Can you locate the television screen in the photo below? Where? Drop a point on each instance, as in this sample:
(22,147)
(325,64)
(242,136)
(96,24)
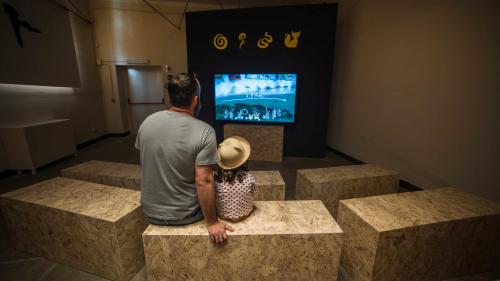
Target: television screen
(256,98)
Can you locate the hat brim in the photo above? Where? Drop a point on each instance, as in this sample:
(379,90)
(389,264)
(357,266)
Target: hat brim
(244,158)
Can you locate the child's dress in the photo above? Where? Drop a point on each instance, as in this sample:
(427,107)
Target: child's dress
(234,200)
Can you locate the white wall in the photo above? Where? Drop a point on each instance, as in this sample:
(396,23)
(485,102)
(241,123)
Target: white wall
(40,51)
(416,88)
(20,103)
(130,30)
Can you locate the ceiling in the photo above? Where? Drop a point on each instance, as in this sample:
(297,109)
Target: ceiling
(252,3)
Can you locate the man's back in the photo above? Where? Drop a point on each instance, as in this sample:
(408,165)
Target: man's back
(171,144)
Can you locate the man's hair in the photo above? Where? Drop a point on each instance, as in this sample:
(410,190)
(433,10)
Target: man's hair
(181,89)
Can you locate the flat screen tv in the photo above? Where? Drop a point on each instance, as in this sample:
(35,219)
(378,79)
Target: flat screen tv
(255,98)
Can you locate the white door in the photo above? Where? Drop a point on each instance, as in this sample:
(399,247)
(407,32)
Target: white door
(144,91)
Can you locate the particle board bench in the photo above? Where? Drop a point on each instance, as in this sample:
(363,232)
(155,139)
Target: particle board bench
(270,184)
(266,140)
(281,240)
(109,173)
(426,235)
(92,227)
(333,184)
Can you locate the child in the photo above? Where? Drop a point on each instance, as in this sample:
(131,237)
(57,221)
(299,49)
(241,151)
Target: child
(234,185)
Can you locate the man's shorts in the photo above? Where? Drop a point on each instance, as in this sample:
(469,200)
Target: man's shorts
(194,217)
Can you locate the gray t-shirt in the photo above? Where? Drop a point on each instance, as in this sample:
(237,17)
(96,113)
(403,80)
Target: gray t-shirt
(171,144)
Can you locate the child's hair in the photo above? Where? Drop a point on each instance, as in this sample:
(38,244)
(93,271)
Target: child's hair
(231,175)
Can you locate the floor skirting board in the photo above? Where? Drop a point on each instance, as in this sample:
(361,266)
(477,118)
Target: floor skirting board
(402,183)
(113,135)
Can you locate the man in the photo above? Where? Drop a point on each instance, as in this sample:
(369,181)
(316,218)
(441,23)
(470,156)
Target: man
(177,154)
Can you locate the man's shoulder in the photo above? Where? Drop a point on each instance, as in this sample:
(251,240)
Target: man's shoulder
(203,126)
(176,119)
(154,116)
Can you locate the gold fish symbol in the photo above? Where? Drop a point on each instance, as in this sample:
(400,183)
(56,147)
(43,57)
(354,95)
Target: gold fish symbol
(264,42)
(220,42)
(242,38)
(291,40)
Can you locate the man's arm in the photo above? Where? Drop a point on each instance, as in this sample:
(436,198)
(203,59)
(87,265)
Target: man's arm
(206,196)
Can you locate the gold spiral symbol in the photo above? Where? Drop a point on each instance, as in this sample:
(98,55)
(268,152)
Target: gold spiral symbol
(264,42)
(220,42)
(242,38)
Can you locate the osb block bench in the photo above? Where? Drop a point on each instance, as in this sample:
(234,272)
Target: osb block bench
(93,227)
(270,184)
(281,240)
(109,173)
(266,140)
(333,184)
(426,235)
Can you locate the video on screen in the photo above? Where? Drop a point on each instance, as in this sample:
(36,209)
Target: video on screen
(256,98)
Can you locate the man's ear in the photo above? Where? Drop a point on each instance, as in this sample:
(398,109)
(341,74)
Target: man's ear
(195,101)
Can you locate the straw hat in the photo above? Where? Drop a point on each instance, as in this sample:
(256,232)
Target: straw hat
(233,152)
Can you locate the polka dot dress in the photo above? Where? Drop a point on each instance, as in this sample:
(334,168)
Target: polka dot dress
(234,200)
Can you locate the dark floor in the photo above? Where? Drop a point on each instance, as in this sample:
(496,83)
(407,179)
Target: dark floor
(121,150)
(18,266)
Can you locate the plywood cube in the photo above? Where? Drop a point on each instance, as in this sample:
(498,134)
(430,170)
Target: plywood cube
(109,173)
(93,227)
(266,140)
(281,240)
(425,235)
(333,184)
(270,185)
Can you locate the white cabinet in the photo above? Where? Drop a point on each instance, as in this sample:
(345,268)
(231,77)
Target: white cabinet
(32,145)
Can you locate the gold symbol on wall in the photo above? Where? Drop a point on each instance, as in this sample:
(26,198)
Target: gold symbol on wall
(220,42)
(242,38)
(291,40)
(264,42)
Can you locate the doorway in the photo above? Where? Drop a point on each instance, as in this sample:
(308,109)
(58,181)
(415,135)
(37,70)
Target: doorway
(144,92)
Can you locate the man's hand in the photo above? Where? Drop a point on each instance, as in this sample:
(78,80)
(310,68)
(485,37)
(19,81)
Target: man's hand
(206,196)
(217,232)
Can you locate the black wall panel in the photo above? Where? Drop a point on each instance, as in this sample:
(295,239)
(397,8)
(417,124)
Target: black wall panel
(311,59)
